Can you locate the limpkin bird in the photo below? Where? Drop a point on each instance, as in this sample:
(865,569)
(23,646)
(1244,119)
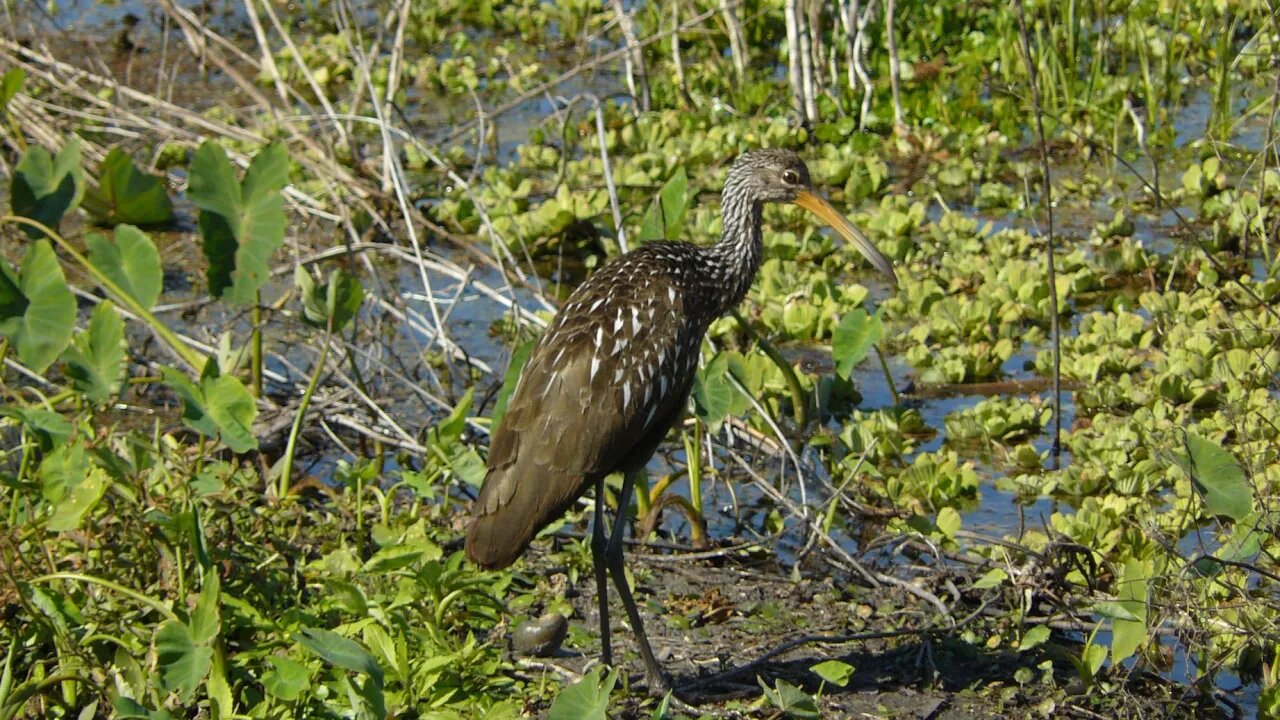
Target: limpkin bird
(613,373)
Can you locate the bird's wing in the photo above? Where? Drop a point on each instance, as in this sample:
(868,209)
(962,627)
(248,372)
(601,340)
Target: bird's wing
(614,365)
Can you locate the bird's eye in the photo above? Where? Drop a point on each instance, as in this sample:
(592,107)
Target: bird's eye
(791,177)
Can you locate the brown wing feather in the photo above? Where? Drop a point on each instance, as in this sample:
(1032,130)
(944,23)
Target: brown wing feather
(614,366)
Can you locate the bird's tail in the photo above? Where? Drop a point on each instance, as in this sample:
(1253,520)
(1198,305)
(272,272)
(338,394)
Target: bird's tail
(494,541)
(511,509)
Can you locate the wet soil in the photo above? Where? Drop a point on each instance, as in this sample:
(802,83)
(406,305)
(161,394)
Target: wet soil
(723,629)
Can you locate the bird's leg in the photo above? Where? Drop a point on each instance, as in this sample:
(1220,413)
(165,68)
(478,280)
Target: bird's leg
(598,548)
(658,682)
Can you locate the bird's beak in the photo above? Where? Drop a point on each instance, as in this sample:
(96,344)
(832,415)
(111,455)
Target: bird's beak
(814,203)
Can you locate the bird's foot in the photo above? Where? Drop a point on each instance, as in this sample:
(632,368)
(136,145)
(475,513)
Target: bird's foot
(657,685)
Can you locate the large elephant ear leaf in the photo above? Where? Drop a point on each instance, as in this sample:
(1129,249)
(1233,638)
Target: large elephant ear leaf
(37,309)
(96,357)
(125,194)
(242,223)
(45,188)
(131,261)
(1217,477)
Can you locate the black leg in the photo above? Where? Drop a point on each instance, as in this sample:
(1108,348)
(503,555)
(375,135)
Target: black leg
(658,682)
(598,549)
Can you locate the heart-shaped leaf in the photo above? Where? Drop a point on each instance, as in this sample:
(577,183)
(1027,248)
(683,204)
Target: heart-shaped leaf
(857,332)
(130,260)
(219,406)
(587,699)
(242,223)
(80,501)
(125,194)
(183,663)
(665,217)
(37,309)
(96,357)
(46,188)
(1217,477)
(287,679)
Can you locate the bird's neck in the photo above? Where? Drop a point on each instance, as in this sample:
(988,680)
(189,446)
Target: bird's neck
(736,256)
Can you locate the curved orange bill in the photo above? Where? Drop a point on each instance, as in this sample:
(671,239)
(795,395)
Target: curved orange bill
(815,204)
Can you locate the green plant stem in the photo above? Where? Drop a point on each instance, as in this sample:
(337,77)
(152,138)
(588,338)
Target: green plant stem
(286,472)
(127,592)
(188,355)
(1046,201)
(799,398)
(256,346)
(888,376)
(693,456)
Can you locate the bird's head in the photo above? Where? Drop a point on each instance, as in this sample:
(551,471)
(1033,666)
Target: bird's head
(775,175)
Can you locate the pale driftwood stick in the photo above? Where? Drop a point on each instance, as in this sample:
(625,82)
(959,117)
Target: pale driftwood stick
(737,39)
(859,43)
(806,68)
(390,157)
(633,61)
(578,70)
(302,66)
(891,40)
(268,62)
(795,75)
(676,62)
(813,24)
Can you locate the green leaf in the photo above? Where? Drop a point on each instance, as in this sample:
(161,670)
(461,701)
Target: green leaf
(1217,477)
(131,261)
(233,408)
(206,618)
(1092,658)
(242,224)
(1131,589)
(665,217)
(713,391)
(833,671)
(46,188)
(1033,637)
(80,501)
(125,194)
(194,413)
(50,428)
(129,709)
(62,467)
(791,700)
(587,699)
(10,84)
(220,406)
(339,651)
(992,578)
(449,430)
(1112,610)
(332,305)
(183,663)
(96,357)
(509,381)
(853,338)
(948,521)
(287,679)
(392,558)
(37,309)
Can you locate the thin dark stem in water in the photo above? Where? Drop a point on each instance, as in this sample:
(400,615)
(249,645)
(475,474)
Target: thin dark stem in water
(1046,200)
